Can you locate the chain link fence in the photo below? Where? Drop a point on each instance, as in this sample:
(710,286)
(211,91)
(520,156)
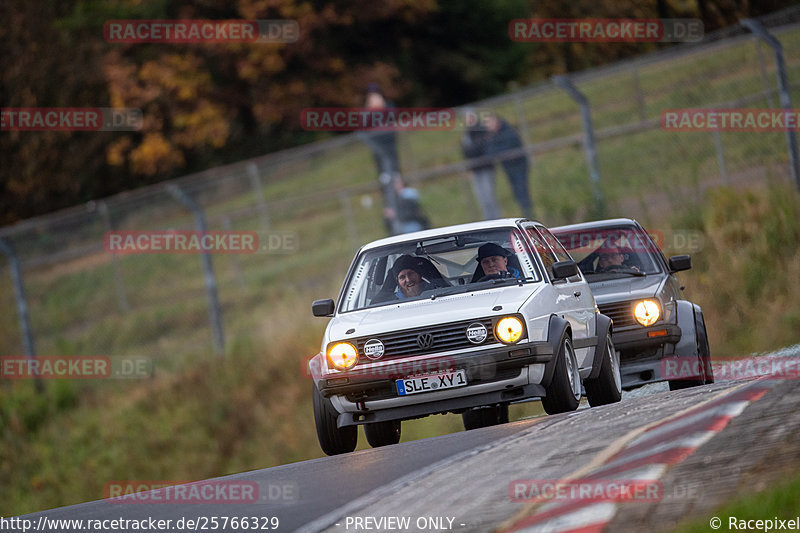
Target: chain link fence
(314,205)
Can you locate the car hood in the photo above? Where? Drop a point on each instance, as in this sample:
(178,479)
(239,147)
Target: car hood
(625,288)
(420,313)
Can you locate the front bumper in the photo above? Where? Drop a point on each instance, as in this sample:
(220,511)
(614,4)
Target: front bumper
(494,375)
(638,338)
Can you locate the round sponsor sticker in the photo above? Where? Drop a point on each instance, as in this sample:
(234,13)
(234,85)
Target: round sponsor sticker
(373,349)
(476,333)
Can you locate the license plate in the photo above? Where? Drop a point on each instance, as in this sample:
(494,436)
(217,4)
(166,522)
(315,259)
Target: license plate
(448,380)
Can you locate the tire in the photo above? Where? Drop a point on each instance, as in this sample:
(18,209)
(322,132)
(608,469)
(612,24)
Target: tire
(607,386)
(703,354)
(332,439)
(382,433)
(564,392)
(482,417)
(704,350)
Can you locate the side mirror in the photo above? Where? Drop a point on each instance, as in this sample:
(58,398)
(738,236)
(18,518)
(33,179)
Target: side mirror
(564,269)
(680,262)
(323,307)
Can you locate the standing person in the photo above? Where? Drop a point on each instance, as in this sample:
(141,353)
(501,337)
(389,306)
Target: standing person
(474,144)
(503,137)
(384,149)
(407,213)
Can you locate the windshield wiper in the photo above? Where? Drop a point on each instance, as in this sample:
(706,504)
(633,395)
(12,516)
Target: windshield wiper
(479,285)
(624,272)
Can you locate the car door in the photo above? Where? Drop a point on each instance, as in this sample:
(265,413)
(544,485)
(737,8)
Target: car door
(574,300)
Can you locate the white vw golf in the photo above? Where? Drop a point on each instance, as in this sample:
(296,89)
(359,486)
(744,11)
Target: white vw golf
(463,319)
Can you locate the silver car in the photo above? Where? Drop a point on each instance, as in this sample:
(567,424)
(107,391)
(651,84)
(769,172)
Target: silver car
(463,319)
(635,285)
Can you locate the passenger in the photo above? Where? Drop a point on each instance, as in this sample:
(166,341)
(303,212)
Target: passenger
(494,260)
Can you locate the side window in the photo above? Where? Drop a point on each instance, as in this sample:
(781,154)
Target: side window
(547,255)
(560,252)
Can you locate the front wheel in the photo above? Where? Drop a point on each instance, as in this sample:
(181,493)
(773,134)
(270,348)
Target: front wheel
(482,417)
(382,433)
(564,392)
(704,359)
(332,439)
(607,386)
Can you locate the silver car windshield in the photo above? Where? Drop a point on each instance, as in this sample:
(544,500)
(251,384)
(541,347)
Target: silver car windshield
(437,267)
(624,250)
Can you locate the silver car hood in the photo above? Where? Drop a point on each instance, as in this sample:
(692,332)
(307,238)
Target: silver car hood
(420,313)
(626,288)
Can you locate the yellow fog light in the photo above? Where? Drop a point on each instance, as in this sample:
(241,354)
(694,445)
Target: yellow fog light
(647,312)
(509,329)
(342,355)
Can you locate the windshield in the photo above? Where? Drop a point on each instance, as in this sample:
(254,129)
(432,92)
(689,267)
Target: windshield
(624,250)
(438,266)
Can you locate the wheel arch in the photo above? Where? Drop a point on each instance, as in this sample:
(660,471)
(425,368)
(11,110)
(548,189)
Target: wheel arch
(603,327)
(556,329)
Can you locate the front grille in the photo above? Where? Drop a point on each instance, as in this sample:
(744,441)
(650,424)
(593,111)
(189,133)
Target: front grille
(620,312)
(446,337)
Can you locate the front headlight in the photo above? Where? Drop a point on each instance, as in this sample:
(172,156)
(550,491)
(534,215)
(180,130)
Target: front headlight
(509,329)
(342,355)
(647,312)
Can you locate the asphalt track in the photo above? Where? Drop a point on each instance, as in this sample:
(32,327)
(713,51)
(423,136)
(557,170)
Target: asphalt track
(464,481)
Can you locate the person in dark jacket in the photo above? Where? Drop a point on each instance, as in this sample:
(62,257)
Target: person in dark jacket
(501,138)
(473,145)
(383,145)
(407,214)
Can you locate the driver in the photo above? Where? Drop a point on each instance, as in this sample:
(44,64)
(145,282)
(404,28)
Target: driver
(494,261)
(409,280)
(612,260)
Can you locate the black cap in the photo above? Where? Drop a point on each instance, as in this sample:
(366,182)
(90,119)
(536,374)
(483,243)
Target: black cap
(403,262)
(373,88)
(490,250)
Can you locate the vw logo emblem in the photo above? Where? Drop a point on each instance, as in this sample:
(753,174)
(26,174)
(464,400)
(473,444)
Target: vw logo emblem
(373,349)
(425,340)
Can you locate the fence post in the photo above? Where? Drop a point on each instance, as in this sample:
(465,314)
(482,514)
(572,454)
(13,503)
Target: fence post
(350,223)
(22,307)
(122,299)
(589,144)
(763,68)
(720,156)
(215,314)
(783,90)
(237,269)
(255,182)
(639,95)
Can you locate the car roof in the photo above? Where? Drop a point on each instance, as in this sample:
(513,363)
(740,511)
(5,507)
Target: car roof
(608,223)
(447,230)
